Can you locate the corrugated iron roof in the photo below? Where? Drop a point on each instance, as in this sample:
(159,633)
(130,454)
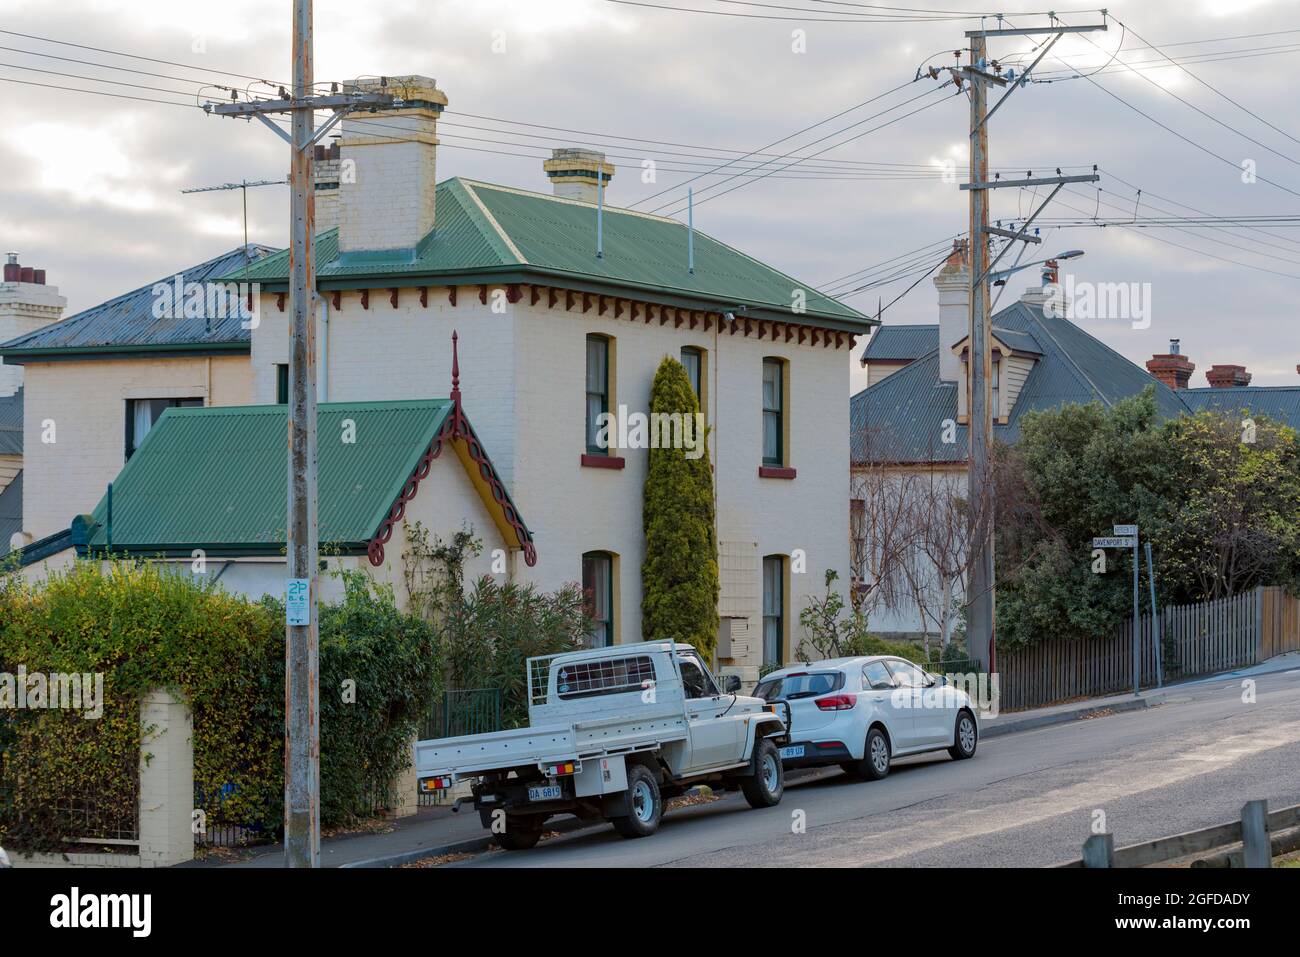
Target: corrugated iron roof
(1277,402)
(900,418)
(215,477)
(11,424)
(901,343)
(11,512)
(127,322)
(484,230)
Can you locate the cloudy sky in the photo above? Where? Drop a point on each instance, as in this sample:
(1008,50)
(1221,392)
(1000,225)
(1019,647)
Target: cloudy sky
(90,185)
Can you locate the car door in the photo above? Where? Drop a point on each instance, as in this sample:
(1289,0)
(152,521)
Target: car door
(880,687)
(931,723)
(715,734)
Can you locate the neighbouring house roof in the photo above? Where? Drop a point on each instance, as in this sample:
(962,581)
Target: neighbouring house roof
(901,417)
(1277,402)
(11,512)
(214,478)
(126,324)
(487,233)
(900,343)
(11,424)
(1021,340)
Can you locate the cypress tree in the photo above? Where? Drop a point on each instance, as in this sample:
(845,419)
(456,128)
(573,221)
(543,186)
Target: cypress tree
(679,577)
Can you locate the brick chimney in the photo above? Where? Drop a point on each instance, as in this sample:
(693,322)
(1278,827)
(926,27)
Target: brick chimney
(26,304)
(1227,376)
(953,283)
(325,172)
(1173,368)
(387,170)
(576,173)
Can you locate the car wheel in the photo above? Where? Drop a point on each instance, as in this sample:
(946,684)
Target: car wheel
(875,758)
(966,737)
(765,786)
(521,833)
(645,805)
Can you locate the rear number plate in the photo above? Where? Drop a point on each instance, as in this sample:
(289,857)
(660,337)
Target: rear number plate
(547,792)
(792,752)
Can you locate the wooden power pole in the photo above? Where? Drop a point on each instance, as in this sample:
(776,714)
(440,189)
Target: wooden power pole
(301,672)
(981,74)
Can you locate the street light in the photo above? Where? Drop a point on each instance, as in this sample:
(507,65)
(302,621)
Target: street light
(1000,277)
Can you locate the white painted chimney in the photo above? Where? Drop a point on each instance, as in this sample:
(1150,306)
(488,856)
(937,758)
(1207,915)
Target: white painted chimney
(325,172)
(26,304)
(387,171)
(576,173)
(953,283)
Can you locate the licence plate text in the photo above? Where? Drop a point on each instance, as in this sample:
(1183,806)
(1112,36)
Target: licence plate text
(545,792)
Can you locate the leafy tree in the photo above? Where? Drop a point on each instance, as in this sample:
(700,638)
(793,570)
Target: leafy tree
(679,577)
(1220,505)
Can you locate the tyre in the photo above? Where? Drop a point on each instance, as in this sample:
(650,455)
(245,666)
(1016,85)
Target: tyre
(645,805)
(521,833)
(875,758)
(965,737)
(765,786)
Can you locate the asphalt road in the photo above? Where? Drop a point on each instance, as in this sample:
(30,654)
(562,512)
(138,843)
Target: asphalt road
(1025,799)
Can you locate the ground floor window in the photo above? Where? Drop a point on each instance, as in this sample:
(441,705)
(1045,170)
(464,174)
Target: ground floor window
(598,587)
(773,609)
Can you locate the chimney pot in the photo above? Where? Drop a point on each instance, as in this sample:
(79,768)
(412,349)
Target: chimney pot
(27,274)
(1227,376)
(1173,369)
(577,173)
(38,277)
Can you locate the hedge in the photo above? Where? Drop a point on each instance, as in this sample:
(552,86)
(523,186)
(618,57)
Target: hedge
(144,626)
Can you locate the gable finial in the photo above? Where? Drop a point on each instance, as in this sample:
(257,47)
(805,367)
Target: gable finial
(455,367)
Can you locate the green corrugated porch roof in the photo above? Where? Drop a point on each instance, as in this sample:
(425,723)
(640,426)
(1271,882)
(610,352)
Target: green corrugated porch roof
(215,478)
(487,233)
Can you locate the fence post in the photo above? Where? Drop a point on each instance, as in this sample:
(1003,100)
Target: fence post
(166,805)
(1099,851)
(1257,848)
(403,790)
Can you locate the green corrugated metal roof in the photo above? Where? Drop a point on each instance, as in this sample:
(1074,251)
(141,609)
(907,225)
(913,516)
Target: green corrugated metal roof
(483,231)
(213,477)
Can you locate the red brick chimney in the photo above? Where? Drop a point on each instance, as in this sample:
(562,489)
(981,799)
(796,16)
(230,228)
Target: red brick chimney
(1227,376)
(1173,369)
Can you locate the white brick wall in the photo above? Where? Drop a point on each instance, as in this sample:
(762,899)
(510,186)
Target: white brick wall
(86,403)
(522,374)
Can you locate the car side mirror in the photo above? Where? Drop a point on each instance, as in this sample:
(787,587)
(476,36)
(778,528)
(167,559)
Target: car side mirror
(731,684)
(938,679)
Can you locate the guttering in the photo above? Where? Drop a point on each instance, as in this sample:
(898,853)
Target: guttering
(85,353)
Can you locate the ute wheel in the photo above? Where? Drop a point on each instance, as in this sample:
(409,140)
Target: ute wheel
(965,738)
(764,787)
(875,758)
(521,833)
(645,805)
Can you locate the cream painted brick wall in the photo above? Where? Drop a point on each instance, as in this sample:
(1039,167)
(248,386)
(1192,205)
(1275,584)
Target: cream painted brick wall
(86,402)
(522,374)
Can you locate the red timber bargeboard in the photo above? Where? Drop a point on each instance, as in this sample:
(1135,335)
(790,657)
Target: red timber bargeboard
(457,431)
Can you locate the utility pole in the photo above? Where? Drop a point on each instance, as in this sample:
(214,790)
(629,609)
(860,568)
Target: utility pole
(982,73)
(301,672)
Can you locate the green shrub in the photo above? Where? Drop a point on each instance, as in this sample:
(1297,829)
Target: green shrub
(144,626)
(679,576)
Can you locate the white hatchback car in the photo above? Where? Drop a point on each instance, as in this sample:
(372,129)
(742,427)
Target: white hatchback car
(861,712)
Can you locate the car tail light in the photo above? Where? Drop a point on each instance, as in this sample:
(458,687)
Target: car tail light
(442,783)
(837,702)
(558,770)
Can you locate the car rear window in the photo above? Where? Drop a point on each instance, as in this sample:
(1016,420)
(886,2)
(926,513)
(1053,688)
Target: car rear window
(806,684)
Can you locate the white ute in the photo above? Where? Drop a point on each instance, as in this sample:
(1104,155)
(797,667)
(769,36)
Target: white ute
(612,733)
